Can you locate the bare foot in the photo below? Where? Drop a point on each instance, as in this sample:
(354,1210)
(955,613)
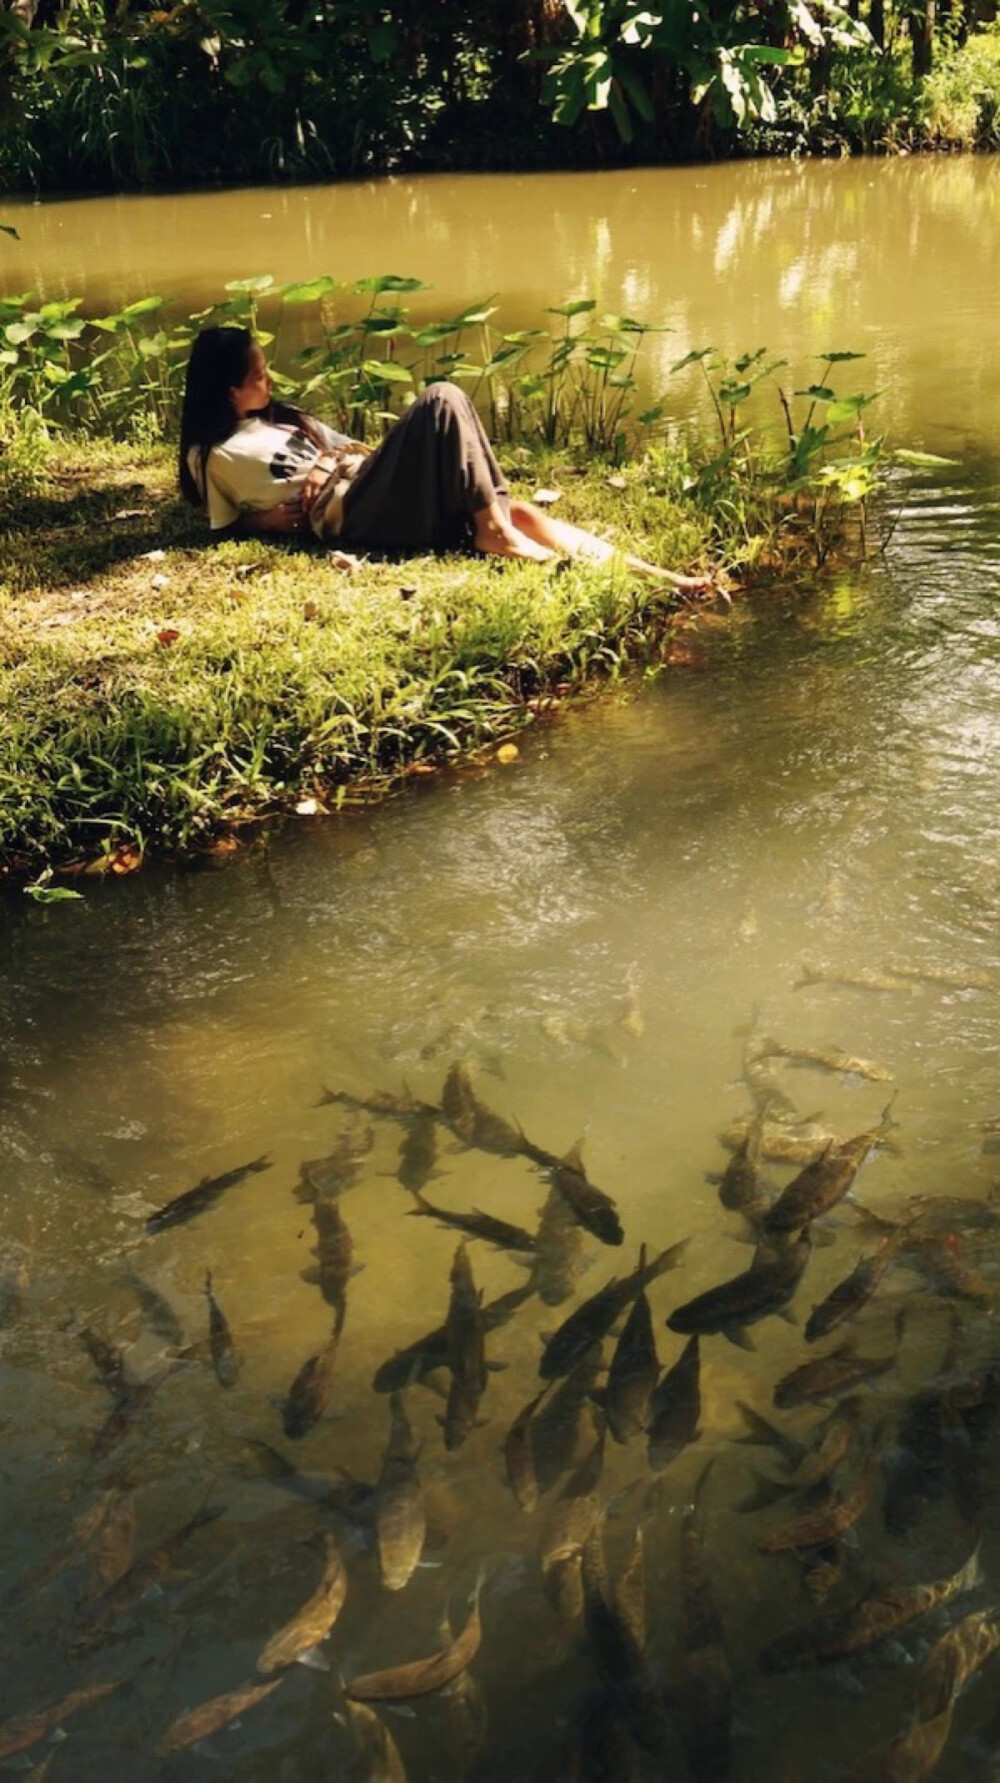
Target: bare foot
(499,539)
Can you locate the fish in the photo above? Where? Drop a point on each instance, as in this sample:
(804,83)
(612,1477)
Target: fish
(592,1208)
(818,1525)
(593,1318)
(103,1611)
(222,1349)
(770,1100)
(15,1279)
(204,1194)
(400,1518)
(326,1178)
(400,1107)
(334,1252)
(559,1423)
(567,1527)
(308,1394)
(765,1288)
(519,1454)
(619,1657)
(739,1185)
(629,1591)
(954,1659)
(907,1758)
(108,1360)
(936,1257)
(948,976)
(861,981)
(634,1370)
(480,1225)
(430,1352)
(128,1405)
(953,1213)
(882,1611)
(823,1570)
(832,1059)
(675,1408)
(418,1152)
(704,1695)
(822,1183)
(631,1020)
(22,1731)
(829,1375)
(111,1550)
(473,1122)
(558,1249)
(209,1716)
(378,1759)
(780,1145)
(313,1621)
(78,1541)
(465,1717)
(850,1295)
(420,1677)
(466,1352)
(157,1311)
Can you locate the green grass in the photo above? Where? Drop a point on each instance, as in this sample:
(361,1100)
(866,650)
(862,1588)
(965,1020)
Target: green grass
(288,678)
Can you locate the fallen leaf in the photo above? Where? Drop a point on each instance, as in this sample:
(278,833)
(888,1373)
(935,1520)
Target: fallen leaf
(307,808)
(126,860)
(407,590)
(508,752)
(617,482)
(154,556)
(167,636)
(160,581)
(310,610)
(546,497)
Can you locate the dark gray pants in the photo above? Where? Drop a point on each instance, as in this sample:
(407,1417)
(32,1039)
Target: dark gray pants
(419,489)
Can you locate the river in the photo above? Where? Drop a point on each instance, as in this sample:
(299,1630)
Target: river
(792,834)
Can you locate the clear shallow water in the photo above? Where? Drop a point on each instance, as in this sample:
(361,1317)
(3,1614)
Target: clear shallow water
(591,930)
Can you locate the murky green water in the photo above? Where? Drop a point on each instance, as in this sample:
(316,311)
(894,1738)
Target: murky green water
(591,930)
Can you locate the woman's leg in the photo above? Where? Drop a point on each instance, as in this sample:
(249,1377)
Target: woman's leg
(434,484)
(559,535)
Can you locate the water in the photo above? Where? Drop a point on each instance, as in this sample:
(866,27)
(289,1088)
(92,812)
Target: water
(592,930)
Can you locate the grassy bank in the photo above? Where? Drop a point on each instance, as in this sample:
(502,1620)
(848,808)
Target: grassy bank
(158,692)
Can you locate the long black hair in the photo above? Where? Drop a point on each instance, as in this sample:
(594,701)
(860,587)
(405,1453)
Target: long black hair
(219,362)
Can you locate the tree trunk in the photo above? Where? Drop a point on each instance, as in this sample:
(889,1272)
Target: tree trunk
(922,33)
(876,22)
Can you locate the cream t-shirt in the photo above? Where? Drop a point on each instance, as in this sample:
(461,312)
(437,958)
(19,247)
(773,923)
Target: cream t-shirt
(261,464)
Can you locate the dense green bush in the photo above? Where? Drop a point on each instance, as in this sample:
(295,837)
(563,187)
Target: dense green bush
(960,101)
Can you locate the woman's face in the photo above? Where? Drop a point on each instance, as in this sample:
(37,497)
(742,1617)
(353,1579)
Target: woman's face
(255,390)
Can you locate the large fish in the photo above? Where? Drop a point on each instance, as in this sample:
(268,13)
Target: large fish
(592,1208)
(204,1194)
(850,1295)
(430,1352)
(25,1730)
(619,1657)
(103,1611)
(418,1152)
(818,1525)
(420,1677)
(76,1544)
(222,1349)
(739,1185)
(519,1454)
(770,1100)
(593,1318)
(324,1179)
(400,1519)
(829,1375)
(907,1758)
(777,1144)
(209,1716)
(675,1408)
(862,980)
(765,1288)
(633,1373)
(561,1419)
(953,1660)
(881,1612)
(822,1183)
(378,1759)
(334,1253)
(400,1107)
(479,1225)
(808,1463)
(313,1622)
(310,1390)
(936,1255)
(558,1252)
(472,1122)
(466,1352)
(704,1697)
(830,1058)
(569,1522)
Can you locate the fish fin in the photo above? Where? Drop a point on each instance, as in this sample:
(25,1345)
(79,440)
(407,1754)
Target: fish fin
(194,1352)
(430,1565)
(310,1275)
(314,1660)
(786,1313)
(766,1492)
(497,1367)
(359,1269)
(740,1336)
(403,1710)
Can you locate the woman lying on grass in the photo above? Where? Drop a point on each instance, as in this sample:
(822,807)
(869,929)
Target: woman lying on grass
(432,485)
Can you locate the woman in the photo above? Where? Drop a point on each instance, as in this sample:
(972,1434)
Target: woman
(433,484)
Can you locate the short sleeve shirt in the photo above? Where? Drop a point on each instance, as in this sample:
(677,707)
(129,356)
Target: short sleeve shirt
(261,464)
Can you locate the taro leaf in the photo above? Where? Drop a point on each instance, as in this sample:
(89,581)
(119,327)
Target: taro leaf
(732,392)
(839,358)
(692,358)
(848,406)
(387,371)
(309,290)
(581,307)
(920,460)
(262,282)
(8,229)
(818,392)
(389,281)
(143,306)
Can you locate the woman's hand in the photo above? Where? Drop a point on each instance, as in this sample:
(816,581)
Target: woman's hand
(288,516)
(315,481)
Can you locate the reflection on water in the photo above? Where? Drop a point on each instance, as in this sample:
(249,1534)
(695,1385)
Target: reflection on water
(892,259)
(598,933)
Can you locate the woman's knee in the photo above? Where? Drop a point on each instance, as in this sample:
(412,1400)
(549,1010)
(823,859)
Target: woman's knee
(444,397)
